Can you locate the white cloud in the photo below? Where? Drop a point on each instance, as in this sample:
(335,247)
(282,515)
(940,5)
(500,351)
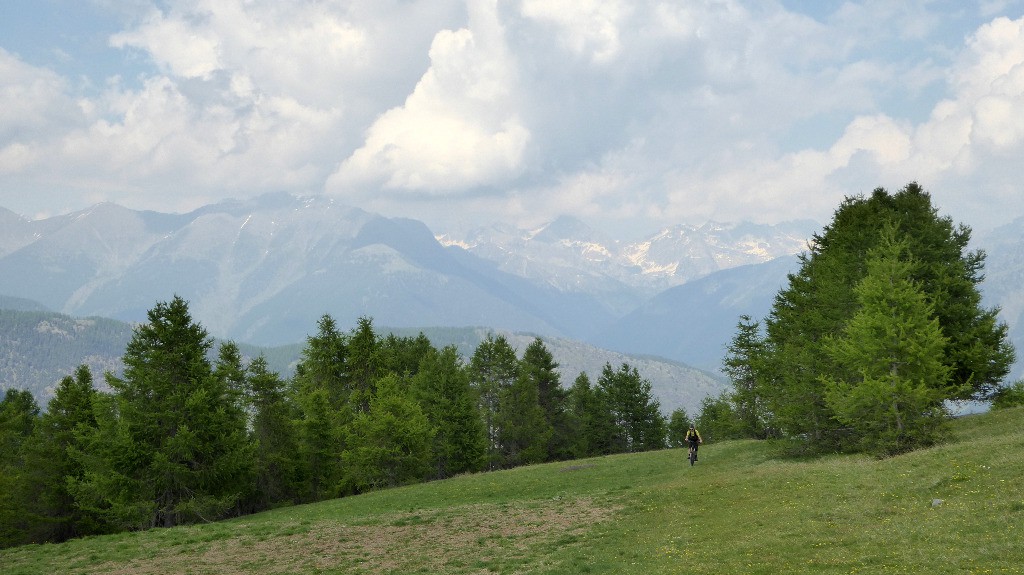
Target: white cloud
(640,113)
(34,106)
(182,49)
(458,129)
(586,27)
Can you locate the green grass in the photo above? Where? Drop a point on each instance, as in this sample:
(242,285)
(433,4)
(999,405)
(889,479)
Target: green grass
(741,509)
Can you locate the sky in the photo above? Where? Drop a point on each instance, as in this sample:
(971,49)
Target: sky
(632,115)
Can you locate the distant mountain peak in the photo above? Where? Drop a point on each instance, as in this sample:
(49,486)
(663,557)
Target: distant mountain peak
(563,228)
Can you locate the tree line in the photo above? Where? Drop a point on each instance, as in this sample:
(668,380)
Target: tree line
(879,330)
(184,436)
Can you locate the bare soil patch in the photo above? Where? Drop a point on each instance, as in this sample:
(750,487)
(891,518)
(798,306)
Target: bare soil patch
(463,539)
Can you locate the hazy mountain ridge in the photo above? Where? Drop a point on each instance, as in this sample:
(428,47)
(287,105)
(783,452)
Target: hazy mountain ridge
(262,271)
(40,348)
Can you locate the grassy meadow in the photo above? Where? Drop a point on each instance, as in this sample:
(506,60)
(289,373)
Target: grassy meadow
(742,509)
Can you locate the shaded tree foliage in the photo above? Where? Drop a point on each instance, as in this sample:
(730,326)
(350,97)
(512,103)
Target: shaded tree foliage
(538,366)
(391,441)
(742,365)
(678,425)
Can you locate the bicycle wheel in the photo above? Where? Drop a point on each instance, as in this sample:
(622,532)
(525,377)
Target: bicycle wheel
(693,456)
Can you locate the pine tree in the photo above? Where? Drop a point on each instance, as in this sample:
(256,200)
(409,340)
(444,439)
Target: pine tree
(820,300)
(442,389)
(170,447)
(273,428)
(50,461)
(19,413)
(322,364)
(539,366)
(891,378)
(324,398)
(523,432)
(587,438)
(321,443)
(636,412)
(402,355)
(742,366)
(362,364)
(391,442)
(678,426)
(492,370)
(717,420)
(229,369)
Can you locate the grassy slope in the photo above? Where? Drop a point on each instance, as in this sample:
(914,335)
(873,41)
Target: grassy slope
(740,510)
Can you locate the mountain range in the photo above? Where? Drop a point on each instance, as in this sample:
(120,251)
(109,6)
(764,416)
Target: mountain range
(263,271)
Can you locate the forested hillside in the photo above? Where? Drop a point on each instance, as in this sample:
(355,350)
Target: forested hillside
(215,438)
(38,348)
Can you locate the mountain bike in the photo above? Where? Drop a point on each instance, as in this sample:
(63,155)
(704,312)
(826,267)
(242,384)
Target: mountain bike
(693,453)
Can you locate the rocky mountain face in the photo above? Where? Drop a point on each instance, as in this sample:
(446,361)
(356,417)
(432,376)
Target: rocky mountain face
(263,271)
(572,257)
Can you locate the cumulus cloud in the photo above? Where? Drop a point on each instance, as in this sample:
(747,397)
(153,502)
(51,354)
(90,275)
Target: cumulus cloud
(963,147)
(458,129)
(641,113)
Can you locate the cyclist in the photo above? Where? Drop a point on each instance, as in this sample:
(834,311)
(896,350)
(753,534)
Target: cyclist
(693,438)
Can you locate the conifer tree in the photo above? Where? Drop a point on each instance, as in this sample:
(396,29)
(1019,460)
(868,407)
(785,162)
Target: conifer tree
(539,366)
(678,426)
(819,301)
(402,355)
(717,419)
(321,443)
(323,397)
(742,366)
(322,364)
(50,461)
(170,448)
(229,369)
(273,427)
(592,421)
(390,443)
(442,389)
(19,413)
(492,370)
(635,411)
(523,432)
(363,364)
(891,378)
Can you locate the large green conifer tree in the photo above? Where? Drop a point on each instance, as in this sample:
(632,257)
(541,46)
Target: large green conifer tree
(819,301)
(172,446)
(51,462)
(390,443)
(742,365)
(891,377)
(273,416)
